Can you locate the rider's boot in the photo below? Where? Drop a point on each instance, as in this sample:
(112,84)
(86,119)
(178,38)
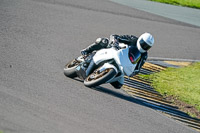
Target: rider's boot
(116,84)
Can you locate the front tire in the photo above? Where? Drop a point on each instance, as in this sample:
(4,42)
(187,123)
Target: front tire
(70,68)
(98,78)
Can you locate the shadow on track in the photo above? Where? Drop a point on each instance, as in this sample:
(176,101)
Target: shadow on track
(172,112)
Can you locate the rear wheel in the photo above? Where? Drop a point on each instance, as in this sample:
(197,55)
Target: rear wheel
(70,68)
(98,78)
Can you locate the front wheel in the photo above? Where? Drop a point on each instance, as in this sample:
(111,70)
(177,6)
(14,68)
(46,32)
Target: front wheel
(70,68)
(98,78)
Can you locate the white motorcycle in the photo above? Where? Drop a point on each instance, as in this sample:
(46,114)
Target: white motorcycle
(104,66)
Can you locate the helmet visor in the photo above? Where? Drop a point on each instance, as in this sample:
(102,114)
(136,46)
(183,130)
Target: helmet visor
(144,45)
(134,55)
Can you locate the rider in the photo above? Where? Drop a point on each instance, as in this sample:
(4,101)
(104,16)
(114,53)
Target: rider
(143,44)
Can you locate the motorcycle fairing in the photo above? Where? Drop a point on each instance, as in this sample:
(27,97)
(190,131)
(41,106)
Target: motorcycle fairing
(81,71)
(120,56)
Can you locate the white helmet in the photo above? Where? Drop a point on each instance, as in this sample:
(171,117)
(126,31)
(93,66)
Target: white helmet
(145,42)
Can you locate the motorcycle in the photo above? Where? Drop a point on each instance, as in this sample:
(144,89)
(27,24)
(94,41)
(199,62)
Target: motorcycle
(104,66)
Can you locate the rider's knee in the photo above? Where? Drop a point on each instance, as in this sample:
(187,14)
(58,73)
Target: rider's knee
(102,41)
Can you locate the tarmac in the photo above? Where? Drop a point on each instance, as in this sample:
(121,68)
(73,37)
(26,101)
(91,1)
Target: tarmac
(38,37)
(179,13)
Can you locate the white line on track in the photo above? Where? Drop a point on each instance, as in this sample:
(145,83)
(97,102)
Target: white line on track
(171,59)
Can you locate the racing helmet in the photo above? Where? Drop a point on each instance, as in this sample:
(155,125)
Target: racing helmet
(145,42)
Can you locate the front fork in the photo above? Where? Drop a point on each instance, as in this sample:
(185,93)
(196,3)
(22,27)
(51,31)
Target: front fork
(85,67)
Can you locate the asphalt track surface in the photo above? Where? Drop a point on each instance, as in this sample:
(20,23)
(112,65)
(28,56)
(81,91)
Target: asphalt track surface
(38,37)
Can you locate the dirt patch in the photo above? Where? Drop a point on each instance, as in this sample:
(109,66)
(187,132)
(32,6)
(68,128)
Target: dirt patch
(187,108)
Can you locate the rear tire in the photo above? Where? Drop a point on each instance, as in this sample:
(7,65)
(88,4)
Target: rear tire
(97,78)
(70,68)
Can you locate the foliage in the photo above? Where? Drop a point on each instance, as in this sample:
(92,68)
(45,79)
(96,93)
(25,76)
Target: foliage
(187,3)
(183,83)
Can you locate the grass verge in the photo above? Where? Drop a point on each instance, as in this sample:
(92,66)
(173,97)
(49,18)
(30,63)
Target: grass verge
(187,3)
(182,83)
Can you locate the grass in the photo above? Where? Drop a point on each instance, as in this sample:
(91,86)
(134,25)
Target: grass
(187,3)
(183,83)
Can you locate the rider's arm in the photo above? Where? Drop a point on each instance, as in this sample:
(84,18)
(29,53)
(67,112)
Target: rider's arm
(127,39)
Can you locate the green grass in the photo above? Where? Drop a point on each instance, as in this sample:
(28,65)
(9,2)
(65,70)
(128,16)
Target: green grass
(183,83)
(187,3)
